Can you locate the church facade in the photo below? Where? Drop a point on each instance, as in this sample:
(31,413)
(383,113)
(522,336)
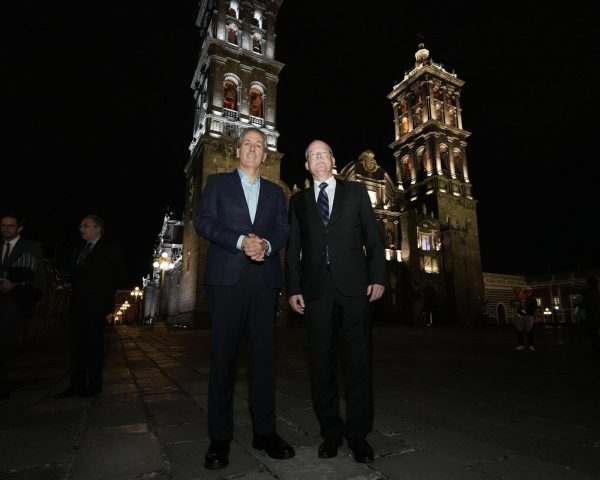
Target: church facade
(426,211)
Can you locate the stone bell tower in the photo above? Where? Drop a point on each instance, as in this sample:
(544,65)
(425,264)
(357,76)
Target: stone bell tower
(234,87)
(431,168)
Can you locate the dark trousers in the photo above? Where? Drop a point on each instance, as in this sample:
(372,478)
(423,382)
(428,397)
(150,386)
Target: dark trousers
(8,319)
(328,317)
(86,346)
(245,309)
(593,331)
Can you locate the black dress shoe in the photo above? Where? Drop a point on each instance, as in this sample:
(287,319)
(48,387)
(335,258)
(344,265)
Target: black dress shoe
(362,452)
(274,445)
(217,456)
(71,391)
(329,448)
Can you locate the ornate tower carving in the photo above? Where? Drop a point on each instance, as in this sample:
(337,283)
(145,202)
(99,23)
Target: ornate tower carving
(432,176)
(234,87)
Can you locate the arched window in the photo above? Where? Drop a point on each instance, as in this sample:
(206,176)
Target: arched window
(256,101)
(438,111)
(405,169)
(404,123)
(257,43)
(458,162)
(418,116)
(420,166)
(257,19)
(230,97)
(445,157)
(233,10)
(232,33)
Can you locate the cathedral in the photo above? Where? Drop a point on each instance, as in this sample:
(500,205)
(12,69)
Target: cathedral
(425,209)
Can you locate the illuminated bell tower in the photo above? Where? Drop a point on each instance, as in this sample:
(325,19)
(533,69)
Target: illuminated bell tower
(234,85)
(431,169)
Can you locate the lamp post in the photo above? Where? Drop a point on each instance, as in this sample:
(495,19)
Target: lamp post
(137,297)
(163,263)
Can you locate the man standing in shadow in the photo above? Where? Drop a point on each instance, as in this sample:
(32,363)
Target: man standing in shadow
(96,271)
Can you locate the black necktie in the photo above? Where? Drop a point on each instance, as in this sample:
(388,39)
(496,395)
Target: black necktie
(6,252)
(323,203)
(84,253)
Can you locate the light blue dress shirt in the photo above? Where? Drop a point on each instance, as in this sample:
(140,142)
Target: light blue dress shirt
(251,192)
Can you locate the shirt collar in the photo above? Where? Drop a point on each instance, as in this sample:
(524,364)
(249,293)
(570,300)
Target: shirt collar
(245,179)
(13,241)
(330,183)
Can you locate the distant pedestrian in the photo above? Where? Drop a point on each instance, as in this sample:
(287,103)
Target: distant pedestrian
(95,273)
(590,304)
(525,319)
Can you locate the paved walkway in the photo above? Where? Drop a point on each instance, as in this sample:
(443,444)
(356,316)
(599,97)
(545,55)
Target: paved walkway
(451,403)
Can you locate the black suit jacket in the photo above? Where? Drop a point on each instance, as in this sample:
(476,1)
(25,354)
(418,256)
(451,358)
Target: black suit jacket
(356,253)
(95,280)
(222,216)
(26,269)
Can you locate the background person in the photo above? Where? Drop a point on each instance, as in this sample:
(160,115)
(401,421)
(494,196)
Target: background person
(96,271)
(590,303)
(525,319)
(22,272)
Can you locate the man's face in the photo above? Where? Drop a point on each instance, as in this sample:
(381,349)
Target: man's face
(251,152)
(89,230)
(9,228)
(320,160)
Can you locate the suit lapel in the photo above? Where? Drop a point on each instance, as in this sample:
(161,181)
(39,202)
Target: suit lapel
(15,251)
(338,201)
(262,201)
(310,205)
(238,194)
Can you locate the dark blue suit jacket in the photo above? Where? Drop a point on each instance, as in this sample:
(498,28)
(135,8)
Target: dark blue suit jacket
(222,216)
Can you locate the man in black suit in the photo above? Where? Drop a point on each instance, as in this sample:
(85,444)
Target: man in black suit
(244,218)
(335,266)
(22,271)
(95,273)
(22,274)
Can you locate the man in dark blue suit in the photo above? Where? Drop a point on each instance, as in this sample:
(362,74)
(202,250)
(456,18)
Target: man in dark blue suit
(335,267)
(244,218)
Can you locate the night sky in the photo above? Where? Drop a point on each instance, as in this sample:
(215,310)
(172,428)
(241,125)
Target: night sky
(100,114)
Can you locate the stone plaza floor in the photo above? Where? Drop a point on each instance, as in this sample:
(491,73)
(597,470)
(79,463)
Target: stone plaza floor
(451,402)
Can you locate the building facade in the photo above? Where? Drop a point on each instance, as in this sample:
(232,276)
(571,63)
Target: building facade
(426,211)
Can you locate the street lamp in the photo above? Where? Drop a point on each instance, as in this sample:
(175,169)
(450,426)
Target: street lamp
(137,297)
(164,263)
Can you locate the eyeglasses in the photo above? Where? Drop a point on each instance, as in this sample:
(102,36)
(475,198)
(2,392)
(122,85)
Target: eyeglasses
(4,225)
(322,154)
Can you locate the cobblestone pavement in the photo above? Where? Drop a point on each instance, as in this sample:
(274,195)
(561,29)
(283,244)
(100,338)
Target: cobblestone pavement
(452,402)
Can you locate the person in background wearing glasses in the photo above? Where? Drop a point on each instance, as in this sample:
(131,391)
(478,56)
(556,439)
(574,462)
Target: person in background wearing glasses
(335,266)
(244,217)
(96,271)
(22,271)
(22,275)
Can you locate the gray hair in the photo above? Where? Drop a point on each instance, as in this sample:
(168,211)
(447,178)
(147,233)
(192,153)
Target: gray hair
(245,131)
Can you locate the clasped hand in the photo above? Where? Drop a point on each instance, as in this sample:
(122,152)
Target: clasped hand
(254,247)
